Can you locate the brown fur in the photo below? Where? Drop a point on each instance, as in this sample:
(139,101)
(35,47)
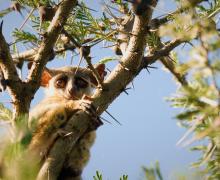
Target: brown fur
(51,114)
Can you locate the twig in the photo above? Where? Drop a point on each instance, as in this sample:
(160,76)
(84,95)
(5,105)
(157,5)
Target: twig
(125,90)
(163,51)
(156,22)
(26,19)
(96,74)
(71,38)
(105,120)
(169,65)
(112,117)
(29,55)
(162,54)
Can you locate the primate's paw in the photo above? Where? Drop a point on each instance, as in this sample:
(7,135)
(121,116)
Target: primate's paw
(86,105)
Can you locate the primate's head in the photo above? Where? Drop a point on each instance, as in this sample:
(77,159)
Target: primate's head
(70,82)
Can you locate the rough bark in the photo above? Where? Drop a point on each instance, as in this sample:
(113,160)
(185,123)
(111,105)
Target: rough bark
(15,86)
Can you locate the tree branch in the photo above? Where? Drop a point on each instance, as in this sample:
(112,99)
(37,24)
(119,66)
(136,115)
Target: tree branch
(30,55)
(114,84)
(163,54)
(170,66)
(15,86)
(6,61)
(49,40)
(157,22)
(163,51)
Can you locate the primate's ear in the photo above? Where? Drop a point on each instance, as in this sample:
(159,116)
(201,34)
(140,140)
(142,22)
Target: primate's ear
(45,77)
(100,68)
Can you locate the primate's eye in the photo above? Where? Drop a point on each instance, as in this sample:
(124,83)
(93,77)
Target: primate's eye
(61,82)
(81,83)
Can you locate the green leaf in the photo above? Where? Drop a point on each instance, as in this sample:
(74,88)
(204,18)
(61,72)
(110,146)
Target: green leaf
(107,59)
(25,37)
(5,113)
(153,172)
(98,176)
(158,172)
(124,177)
(187,114)
(4,12)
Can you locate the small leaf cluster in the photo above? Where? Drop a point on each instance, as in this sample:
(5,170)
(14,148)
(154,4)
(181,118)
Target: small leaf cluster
(15,161)
(98,176)
(153,172)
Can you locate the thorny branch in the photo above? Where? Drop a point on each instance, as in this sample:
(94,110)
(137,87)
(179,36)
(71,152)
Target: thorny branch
(156,22)
(117,80)
(49,40)
(167,62)
(163,55)
(9,73)
(163,51)
(29,55)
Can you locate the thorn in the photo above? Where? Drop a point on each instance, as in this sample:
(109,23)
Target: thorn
(171,59)
(151,67)
(147,70)
(183,45)
(26,19)
(128,88)
(105,120)
(113,117)
(108,70)
(191,44)
(96,42)
(132,84)
(125,90)
(1,26)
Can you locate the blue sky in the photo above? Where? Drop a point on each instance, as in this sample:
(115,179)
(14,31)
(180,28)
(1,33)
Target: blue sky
(149,131)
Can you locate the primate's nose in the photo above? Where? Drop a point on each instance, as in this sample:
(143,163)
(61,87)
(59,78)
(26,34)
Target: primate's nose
(72,92)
